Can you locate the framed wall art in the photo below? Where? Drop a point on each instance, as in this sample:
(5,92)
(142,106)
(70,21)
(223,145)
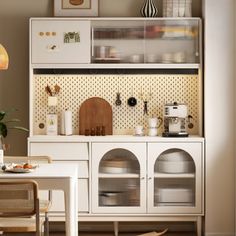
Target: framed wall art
(75,8)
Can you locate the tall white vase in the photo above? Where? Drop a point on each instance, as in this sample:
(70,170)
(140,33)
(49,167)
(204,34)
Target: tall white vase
(149,9)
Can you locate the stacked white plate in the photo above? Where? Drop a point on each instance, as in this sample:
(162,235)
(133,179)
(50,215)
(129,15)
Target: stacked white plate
(175,162)
(174,195)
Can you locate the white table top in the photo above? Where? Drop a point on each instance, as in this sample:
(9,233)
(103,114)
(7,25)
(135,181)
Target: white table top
(54,170)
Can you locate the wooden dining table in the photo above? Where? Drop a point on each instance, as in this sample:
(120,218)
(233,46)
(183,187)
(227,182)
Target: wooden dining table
(55,177)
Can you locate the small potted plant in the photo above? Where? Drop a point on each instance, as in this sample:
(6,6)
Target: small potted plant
(6,124)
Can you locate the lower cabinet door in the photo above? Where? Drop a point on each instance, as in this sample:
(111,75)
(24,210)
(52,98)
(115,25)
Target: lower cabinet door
(118,178)
(175,182)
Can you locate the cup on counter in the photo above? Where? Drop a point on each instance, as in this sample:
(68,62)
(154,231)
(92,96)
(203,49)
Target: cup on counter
(154,122)
(139,130)
(152,131)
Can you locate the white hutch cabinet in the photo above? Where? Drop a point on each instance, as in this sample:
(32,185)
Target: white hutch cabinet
(121,177)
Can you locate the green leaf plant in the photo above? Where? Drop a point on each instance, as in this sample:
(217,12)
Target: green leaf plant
(6,124)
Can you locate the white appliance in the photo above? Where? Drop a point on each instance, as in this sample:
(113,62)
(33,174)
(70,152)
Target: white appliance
(175,119)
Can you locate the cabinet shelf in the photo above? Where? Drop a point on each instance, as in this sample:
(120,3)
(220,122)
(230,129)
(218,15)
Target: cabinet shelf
(167,175)
(187,66)
(122,175)
(144,65)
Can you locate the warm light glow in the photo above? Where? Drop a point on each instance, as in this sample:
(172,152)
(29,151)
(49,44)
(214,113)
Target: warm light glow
(4,59)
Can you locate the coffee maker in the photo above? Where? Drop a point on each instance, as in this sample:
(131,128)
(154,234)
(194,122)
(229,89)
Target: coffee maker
(175,119)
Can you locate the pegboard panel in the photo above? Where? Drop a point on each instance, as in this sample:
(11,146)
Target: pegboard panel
(75,89)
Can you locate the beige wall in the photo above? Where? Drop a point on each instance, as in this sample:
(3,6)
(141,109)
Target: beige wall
(219,117)
(14,16)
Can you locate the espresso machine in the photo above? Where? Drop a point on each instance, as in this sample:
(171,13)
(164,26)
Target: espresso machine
(175,119)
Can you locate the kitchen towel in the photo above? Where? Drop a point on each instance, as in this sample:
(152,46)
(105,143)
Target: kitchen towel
(66,122)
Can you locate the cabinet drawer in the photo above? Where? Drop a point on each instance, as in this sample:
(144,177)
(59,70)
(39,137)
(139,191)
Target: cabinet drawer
(61,151)
(60,41)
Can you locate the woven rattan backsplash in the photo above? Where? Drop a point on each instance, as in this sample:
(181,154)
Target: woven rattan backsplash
(77,88)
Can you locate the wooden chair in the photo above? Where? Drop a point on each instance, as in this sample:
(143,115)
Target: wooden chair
(19,207)
(44,205)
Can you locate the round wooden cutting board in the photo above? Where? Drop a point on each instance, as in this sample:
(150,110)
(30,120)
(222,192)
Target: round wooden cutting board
(95,112)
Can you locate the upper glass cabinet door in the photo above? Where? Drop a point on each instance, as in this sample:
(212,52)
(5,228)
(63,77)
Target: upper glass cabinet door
(118,41)
(149,41)
(172,41)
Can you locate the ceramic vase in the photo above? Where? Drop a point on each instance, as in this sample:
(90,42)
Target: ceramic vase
(149,9)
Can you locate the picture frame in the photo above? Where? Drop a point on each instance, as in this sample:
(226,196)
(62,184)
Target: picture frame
(75,8)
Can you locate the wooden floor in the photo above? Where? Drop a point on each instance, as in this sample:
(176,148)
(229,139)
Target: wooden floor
(125,229)
(124,234)
(105,234)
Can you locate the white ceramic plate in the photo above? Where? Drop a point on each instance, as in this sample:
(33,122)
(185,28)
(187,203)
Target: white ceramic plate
(10,167)
(19,170)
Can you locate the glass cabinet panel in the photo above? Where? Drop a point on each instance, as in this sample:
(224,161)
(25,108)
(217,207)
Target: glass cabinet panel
(177,187)
(172,41)
(119,177)
(119,183)
(175,178)
(162,41)
(118,41)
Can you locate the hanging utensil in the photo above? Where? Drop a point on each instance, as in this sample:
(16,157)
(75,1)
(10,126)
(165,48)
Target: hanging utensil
(145,100)
(190,124)
(118,100)
(132,101)
(145,107)
(48,90)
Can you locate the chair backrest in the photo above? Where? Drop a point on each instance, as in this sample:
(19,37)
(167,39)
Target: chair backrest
(18,198)
(27,159)
(36,160)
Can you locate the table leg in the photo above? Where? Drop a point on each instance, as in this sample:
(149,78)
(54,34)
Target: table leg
(70,193)
(199,225)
